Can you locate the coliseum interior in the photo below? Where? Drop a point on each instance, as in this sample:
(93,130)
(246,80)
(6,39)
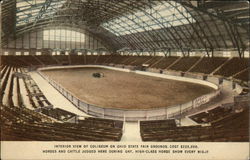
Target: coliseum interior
(79,70)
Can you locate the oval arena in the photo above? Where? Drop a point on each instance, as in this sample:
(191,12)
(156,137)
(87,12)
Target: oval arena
(124,70)
(127,95)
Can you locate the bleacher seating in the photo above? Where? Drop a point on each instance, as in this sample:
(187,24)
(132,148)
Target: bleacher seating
(234,66)
(43,123)
(233,127)
(90,59)
(47,60)
(102,59)
(165,62)
(153,60)
(116,59)
(62,59)
(211,115)
(77,59)
(205,65)
(139,60)
(208,64)
(18,124)
(244,76)
(184,63)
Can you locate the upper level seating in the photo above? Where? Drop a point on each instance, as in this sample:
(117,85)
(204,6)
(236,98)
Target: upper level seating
(184,63)
(165,62)
(234,66)
(233,127)
(207,65)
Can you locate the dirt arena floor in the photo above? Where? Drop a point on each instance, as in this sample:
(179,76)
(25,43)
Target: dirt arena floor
(125,90)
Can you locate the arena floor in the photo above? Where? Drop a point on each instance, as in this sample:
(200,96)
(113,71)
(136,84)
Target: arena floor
(125,90)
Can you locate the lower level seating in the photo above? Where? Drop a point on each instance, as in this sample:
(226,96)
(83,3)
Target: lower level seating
(43,122)
(232,127)
(20,124)
(244,76)
(211,115)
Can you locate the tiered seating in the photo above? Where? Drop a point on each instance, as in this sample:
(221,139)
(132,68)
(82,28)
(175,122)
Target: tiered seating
(184,63)
(244,76)
(165,62)
(27,60)
(47,60)
(90,59)
(62,59)
(207,65)
(232,127)
(156,124)
(140,60)
(23,124)
(13,61)
(102,59)
(77,59)
(6,87)
(3,70)
(58,113)
(129,60)
(102,122)
(211,115)
(153,60)
(234,66)
(37,99)
(116,59)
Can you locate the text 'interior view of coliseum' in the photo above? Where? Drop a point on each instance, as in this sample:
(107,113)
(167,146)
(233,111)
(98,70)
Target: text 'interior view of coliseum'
(124,70)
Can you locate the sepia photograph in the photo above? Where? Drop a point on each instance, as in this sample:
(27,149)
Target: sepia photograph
(124,79)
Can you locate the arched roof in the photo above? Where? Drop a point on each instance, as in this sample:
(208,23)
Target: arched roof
(137,24)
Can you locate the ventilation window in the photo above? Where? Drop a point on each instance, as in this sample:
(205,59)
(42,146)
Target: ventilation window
(38,53)
(179,54)
(226,54)
(26,53)
(18,53)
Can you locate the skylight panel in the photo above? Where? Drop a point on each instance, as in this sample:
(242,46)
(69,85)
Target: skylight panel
(150,19)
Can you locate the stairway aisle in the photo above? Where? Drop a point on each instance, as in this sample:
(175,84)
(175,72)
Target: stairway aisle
(131,132)
(54,97)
